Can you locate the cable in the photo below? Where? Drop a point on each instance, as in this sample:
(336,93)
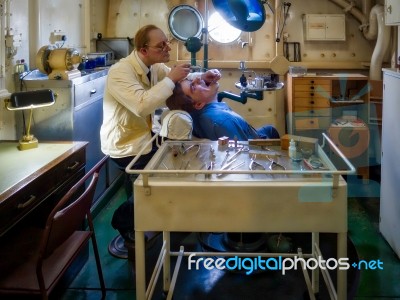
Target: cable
(283,15)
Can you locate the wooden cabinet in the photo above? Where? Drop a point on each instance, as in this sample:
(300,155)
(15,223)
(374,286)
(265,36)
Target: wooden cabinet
(32,180)
(308,104)
(328,103)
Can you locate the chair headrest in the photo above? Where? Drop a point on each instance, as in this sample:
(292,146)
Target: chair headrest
(177,125)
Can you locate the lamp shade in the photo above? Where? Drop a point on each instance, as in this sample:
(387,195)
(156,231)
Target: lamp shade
(246,15)
(31,99)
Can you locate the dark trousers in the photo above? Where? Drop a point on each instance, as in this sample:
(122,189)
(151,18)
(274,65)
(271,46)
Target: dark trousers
(122,219)
(267,132)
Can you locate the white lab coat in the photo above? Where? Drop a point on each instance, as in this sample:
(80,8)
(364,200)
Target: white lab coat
(128,103)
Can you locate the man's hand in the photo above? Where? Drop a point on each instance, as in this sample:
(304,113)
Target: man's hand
(210,76)
(179,72)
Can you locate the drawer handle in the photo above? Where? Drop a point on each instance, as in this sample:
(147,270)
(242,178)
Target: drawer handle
(92,92)
(73,167)
(311,87)
(312,112)
(311,122)
(25,204)
(312,94)
(312,102)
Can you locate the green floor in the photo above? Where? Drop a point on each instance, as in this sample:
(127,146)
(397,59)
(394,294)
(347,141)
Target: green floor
(363,231)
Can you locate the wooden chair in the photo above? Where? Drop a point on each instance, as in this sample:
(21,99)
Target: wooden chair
(40,256)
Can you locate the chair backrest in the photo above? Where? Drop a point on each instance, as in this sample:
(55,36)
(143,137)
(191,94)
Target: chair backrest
(70,212)
(176,125)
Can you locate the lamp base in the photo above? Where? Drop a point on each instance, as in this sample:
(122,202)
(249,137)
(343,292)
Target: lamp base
(26,144)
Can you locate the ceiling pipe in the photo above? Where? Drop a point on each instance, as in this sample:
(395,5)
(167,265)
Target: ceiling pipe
(350,8)
(382,43)
(372,28)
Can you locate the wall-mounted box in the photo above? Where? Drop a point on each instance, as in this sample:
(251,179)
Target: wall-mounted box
(392,12)
(330,27)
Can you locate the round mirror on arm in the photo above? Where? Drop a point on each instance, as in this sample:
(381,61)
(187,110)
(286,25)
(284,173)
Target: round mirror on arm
(185,21)
(246,15)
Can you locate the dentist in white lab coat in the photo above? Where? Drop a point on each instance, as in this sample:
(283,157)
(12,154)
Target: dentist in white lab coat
(136,86)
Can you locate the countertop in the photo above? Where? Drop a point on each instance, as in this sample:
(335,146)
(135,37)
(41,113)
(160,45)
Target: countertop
(17,165)
(36,78)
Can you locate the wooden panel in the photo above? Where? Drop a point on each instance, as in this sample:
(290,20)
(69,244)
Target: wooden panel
(113,12)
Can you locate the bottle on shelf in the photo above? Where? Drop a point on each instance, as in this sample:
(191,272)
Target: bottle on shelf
(19,67)
(25,65)
(292,149)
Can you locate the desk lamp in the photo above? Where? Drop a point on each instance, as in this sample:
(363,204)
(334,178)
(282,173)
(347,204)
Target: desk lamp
(29,100)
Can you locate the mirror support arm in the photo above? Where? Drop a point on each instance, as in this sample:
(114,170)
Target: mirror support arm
(242,98)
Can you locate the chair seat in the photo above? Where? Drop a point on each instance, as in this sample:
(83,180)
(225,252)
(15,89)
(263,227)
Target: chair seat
(19,272)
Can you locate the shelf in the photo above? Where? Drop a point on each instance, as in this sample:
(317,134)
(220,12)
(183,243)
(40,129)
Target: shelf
(347,101)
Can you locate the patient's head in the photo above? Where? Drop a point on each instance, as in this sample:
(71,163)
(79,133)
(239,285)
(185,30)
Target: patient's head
(192,94)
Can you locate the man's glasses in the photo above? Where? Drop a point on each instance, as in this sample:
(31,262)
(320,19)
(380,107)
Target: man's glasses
(162,46)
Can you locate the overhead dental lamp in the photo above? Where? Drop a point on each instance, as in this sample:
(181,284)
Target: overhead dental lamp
(29,101)
(246,15)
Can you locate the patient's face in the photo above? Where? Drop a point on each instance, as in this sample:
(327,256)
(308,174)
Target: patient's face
(199,91)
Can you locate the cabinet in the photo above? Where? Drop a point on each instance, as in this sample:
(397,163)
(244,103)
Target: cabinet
(34,179)
(76,116)
(333,103)
(392,12)
(390,176)
(325,27)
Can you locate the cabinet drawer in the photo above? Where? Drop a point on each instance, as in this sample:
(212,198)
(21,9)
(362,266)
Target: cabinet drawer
(310,112)
(71,165)
(313,94)
(89,91)
(312,81)
(311,103)
(313,88)
(24,200)
(301,123)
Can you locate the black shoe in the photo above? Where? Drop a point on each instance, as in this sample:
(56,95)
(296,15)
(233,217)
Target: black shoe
(128,236)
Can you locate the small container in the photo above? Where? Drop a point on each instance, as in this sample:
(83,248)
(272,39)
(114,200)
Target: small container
(26,68)
(292,149)
(297,71)
(259,82)
(19,67)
